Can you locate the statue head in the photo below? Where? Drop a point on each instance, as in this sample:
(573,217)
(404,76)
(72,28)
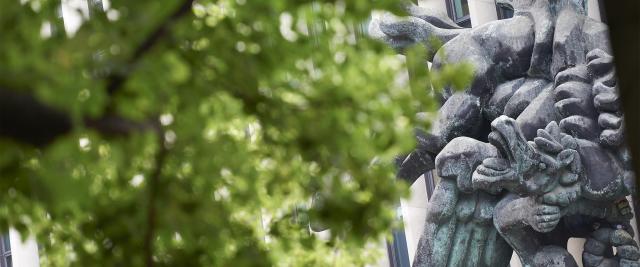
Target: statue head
(529,167)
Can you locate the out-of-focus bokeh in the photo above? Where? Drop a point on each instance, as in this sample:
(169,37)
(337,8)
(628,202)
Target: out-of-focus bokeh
(195,133)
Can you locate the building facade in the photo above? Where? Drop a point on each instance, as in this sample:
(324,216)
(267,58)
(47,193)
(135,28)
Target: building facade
(17,252)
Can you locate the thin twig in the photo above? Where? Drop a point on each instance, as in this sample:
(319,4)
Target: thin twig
(154,181)
(115,84)
(115,81)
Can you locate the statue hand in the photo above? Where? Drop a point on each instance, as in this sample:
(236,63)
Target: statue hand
(602,240)
(606,98)
(561,196)
(544,218)
(626,248)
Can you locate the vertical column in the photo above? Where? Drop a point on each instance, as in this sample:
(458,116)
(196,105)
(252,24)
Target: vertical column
(593,9)
(23,253)
(414,212)
(482,11)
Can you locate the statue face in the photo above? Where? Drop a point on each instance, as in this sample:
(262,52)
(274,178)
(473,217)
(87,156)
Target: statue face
(518,164)
(507,137)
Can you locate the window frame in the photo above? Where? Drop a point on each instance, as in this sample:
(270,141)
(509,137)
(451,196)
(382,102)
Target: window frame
(464,21)
(5,249)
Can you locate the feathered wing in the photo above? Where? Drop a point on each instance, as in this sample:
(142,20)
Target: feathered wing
(588,101)
(459,228)
(461,233)
(421,26)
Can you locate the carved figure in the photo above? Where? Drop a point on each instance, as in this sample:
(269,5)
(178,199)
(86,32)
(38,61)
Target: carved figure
(532,152)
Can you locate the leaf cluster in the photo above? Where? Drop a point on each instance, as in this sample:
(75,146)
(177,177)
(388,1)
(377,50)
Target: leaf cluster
(257,106)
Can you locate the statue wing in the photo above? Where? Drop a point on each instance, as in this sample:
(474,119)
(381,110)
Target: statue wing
(419,161)
(459,228)
(421,26)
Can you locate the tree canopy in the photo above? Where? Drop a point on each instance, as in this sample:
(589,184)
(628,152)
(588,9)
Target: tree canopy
(196,133)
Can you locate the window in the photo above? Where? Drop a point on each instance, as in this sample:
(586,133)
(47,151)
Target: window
(458,11)
(397,250)
(504,11)
(5,249)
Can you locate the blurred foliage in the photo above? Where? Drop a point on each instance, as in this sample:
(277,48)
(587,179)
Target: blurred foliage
(261,104)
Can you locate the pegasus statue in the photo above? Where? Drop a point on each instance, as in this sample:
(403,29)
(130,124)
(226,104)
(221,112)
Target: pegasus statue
(532,152)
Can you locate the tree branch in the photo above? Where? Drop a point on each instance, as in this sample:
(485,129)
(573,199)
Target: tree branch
(153,185)
(115,81)
(25,119)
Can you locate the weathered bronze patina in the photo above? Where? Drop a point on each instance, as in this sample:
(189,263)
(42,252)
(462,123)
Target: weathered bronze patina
(532,152)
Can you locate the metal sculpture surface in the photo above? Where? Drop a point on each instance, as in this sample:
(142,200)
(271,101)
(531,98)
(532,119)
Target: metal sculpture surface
(532,152)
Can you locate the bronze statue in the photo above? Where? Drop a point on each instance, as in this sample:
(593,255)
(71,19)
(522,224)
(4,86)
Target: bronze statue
(532,152)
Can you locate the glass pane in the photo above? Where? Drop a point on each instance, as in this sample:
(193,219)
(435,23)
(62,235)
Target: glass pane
(461,8)
(6,243)
(9,261)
